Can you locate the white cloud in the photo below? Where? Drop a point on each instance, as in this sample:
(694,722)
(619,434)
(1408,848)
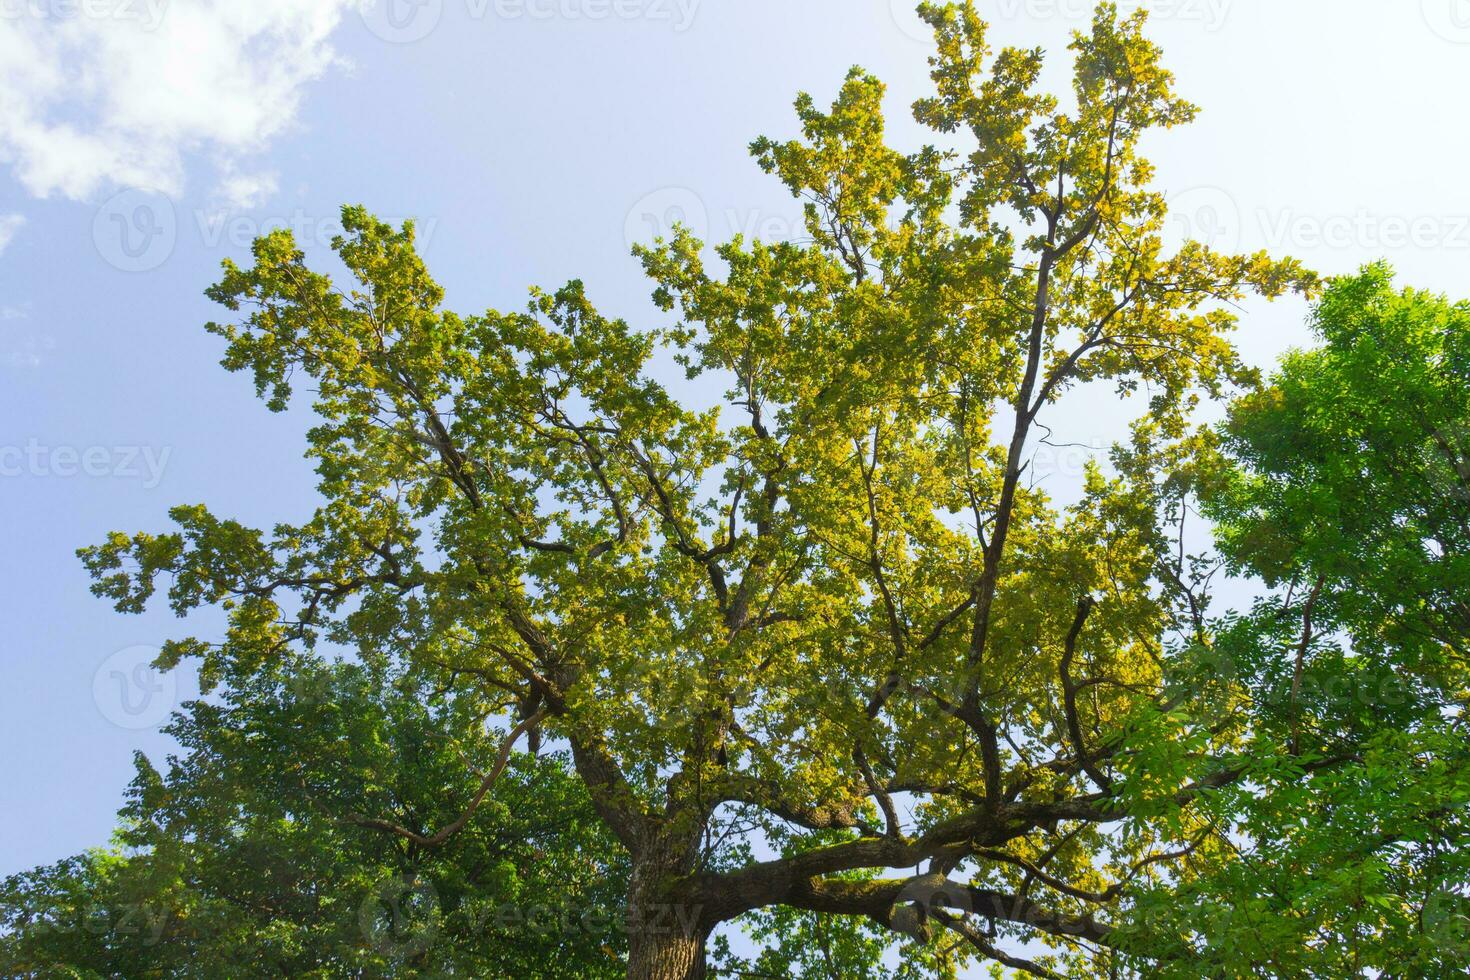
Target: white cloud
(9,225)
(245,190)
(120,92)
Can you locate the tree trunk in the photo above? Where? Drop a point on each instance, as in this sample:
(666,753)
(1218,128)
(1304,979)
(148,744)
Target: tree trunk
(672,956)
(666,937)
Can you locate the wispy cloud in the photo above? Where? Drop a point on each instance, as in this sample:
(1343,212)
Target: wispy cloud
(21,344)
(122,93)
(9,225)
(245,190)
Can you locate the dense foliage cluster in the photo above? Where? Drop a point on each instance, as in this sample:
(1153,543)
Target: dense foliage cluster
(822,661)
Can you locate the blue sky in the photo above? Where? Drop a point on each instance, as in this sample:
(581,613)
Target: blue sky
(142,142)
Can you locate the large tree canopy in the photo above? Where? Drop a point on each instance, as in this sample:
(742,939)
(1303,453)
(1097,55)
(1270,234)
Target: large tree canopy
(1350,493)
(823,655)
(247,855)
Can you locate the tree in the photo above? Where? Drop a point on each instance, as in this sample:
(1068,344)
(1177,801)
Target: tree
(827,654)
(236,861)
(1346,488)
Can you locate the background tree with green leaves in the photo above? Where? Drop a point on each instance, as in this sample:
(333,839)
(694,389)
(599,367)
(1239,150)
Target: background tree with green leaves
(246,855)
(825,660)
(1346,489)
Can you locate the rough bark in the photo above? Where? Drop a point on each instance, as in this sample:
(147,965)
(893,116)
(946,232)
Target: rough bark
(667,956)
(666,934)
